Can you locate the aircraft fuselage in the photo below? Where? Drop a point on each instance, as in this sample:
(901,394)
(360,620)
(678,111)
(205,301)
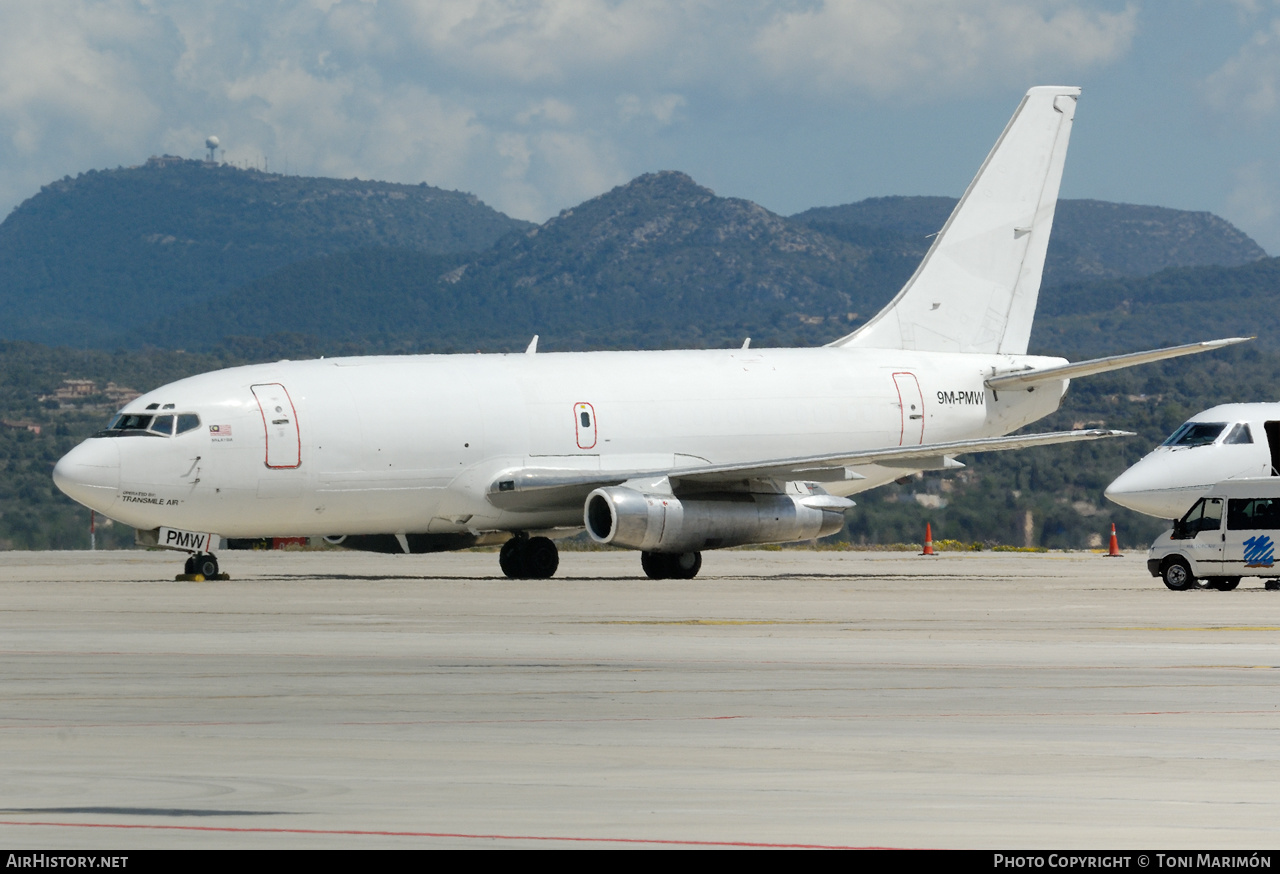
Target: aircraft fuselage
(412,444)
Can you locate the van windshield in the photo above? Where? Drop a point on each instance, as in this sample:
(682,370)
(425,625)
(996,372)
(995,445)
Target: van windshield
(1195,434)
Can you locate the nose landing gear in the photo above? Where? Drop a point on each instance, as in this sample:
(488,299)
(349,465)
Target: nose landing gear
(202,566)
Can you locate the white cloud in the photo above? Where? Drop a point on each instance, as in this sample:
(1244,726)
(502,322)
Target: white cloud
(1250,79)
(531,104)
(888,48)
(661,108)
(66,68)
(551,110)
(537,40)
(1253,198)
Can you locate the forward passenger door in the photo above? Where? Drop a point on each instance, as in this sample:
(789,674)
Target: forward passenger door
(280,420)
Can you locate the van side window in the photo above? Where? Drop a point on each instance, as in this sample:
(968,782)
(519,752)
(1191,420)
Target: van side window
(1253,513)
(1240,434)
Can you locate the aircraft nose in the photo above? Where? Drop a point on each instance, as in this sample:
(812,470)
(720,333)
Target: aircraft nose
(1155,488)
(90,473)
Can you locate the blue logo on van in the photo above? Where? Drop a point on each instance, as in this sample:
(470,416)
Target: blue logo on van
(1259,551)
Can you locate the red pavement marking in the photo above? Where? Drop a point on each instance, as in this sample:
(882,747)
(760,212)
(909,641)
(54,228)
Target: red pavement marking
(478,837)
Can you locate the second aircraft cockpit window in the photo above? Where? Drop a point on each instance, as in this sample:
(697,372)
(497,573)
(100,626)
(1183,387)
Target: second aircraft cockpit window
(146,425)
(1239,434)
(1195,434)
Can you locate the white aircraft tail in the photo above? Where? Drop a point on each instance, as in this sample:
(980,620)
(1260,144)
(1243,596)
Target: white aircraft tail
(976,289)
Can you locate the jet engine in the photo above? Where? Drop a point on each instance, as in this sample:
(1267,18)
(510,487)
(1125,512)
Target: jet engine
(662,523)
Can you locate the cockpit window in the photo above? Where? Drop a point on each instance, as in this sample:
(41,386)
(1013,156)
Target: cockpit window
(1195,434)
(130,422)
(1240,434)
(148,425)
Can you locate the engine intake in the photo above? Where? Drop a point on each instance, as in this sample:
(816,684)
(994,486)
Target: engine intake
(626,517)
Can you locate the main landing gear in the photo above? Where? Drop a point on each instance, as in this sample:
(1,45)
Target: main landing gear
(529,558)
(671,566)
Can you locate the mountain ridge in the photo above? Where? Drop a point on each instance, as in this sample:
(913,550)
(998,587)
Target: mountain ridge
(187,254)
(90,257)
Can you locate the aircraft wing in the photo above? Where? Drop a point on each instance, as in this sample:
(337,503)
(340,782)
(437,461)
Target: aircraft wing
(1032,376)
(533,488)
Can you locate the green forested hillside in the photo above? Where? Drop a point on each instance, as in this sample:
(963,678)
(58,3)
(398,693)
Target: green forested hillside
(186,254)
(87,260)
(1173,306)
(663,262)
(659,262)
(1092,239)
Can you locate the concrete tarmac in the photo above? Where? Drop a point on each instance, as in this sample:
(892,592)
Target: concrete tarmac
(844,699)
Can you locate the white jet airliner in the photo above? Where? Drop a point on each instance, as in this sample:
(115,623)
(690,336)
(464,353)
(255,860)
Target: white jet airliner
(1231,441)
(669,453)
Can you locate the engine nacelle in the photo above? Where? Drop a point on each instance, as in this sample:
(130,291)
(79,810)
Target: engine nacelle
(662,523)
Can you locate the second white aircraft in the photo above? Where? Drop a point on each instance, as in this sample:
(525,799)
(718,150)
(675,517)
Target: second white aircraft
(1231,441)
(668,453)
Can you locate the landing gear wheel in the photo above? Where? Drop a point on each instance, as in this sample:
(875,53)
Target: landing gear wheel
(1224,584)
(671,566)
(190,566)
(205,564)
(686,565)
(654,565)
(529,558)
(541,558)
(511,559)
(1177,574)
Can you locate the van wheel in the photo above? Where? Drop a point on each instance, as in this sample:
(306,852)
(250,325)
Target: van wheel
(1177,574)
(1224,584)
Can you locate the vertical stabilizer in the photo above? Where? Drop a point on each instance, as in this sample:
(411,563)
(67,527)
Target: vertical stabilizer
(976,289)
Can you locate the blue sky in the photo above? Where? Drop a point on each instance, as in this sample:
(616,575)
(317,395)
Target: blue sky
(535,105)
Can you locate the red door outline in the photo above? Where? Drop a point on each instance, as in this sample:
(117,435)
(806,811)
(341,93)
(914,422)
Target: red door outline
(284,438)
(585,434)
(909,395)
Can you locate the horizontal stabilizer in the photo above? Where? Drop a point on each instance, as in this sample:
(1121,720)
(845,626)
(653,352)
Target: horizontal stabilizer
(1029,378)
(542,488)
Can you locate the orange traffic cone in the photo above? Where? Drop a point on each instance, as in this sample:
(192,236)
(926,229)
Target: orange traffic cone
(1114,550)
(928,540)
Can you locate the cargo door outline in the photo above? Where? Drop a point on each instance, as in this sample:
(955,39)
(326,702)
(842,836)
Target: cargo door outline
(585,431)
(911,404)
(280,426)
